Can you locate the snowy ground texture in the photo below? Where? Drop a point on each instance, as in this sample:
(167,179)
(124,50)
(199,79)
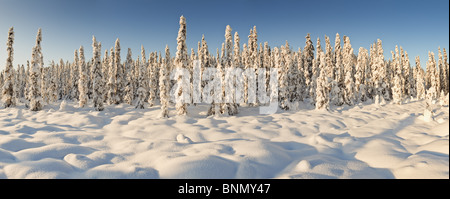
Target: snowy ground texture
(362,141)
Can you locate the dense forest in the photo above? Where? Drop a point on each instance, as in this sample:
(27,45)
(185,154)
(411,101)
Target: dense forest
(253,74)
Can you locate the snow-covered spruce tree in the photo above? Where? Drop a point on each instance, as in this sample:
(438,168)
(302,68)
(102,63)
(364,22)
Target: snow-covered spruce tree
(322,94)
(406,76)
(292,76)
(181,63)
(380,82)
(337,87)
(442,73)
(53,85)
(129,80)
(8,85)
(428,72)
(246,63)
(420,81)
(215,88)
(44,85)
(315,72)
(16,85)
(409,78)
(67,84)
(401,63)
(329,58)
(397,93)
(111,85)
(82,82)
(239,66)
(105,71)
(267,65)
(431,65)
(142,90)
(301,87)
(20,82)
(229,107)
(360,88)
(36,102)
(396,89)
(349,94)
(308,57)
(447,72)
(97,81)
(119,80)
(27,81)
(164,84)
(283,92)
(204,59)
(74,78)
(151,72)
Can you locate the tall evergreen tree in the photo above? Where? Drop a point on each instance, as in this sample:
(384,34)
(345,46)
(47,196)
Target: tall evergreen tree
(322,94)
(8,97)
(432,90)
(349,94)
(229,106)
(181,63)
(164,84)
(36,102)
(308,57)
(447,74)
(420,81)
(82,83)
(97,81)
(129,79)
(360,87)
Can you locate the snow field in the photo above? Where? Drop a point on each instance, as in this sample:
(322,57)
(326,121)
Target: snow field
(362,141)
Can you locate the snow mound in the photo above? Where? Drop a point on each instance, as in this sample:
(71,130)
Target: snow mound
(47,168)
(198,167)
(183,139)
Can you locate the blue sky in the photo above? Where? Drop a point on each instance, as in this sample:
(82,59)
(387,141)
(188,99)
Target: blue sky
(418,26)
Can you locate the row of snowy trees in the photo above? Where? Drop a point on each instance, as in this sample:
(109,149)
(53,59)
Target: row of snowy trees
(334,76)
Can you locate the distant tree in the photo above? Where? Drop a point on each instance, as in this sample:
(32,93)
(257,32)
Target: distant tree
(420,81)
(447,74)
(443,76)
(53,84)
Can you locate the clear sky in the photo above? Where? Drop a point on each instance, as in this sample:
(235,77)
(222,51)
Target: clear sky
(418,26)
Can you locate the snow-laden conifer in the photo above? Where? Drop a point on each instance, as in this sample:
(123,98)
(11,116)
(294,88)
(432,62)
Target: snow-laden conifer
(322,94)
(129,79)
(97,81)
(349,94)
(164,84)
(36,102)
(8,97)
(82,82)
(181,63)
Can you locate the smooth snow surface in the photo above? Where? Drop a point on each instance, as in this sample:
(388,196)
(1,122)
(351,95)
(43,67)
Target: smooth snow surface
(362,141)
